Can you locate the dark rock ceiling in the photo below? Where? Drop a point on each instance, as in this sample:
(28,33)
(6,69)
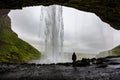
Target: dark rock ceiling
(107,10)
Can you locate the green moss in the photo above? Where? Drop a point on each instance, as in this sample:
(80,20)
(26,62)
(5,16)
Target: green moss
(13,49)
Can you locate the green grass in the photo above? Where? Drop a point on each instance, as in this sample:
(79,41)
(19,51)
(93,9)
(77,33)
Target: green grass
(13,49)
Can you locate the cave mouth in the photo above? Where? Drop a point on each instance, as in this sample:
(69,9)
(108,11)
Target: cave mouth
(84,32)
(107,10)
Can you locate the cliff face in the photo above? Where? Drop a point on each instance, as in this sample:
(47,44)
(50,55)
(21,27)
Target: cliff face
(13,49)
(4,19)
(107,10)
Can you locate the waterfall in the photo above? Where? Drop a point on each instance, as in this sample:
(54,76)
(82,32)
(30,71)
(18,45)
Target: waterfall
(52,32)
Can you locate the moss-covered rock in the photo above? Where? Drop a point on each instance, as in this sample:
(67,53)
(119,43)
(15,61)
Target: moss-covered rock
(13,49)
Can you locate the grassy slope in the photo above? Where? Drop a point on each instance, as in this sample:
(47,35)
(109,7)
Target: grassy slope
(13,49)
(116,51)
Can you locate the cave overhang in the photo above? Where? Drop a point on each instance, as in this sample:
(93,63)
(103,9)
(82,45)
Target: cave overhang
(107,10)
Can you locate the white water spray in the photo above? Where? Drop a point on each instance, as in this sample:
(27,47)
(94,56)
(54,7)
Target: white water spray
(52,32)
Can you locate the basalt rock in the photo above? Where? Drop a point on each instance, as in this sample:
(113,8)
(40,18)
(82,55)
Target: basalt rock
(107,10)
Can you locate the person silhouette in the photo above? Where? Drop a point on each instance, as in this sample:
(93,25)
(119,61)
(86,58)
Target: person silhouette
(74,57)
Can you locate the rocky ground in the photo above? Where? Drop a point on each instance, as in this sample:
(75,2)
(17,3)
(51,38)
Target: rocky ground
(103,69)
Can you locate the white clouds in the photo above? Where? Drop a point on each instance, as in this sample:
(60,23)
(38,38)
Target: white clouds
(84,32)
(89,33)
(26,22)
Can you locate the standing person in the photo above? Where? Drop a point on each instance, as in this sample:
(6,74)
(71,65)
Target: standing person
(74,58)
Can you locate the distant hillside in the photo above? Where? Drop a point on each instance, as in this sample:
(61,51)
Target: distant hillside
(116,51)
(13,49)
(113,52)
(104,54)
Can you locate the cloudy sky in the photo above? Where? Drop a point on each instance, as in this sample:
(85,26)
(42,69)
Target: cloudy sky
(83,32)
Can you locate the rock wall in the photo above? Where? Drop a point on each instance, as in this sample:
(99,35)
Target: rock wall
(4,19)
(107,10)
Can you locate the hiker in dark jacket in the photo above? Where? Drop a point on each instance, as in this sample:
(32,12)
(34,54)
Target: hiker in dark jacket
(74,58)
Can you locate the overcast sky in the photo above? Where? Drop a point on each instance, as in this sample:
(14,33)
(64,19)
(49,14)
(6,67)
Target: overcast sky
(83,32)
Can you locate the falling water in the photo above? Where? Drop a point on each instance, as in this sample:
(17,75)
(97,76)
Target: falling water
(52,31)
